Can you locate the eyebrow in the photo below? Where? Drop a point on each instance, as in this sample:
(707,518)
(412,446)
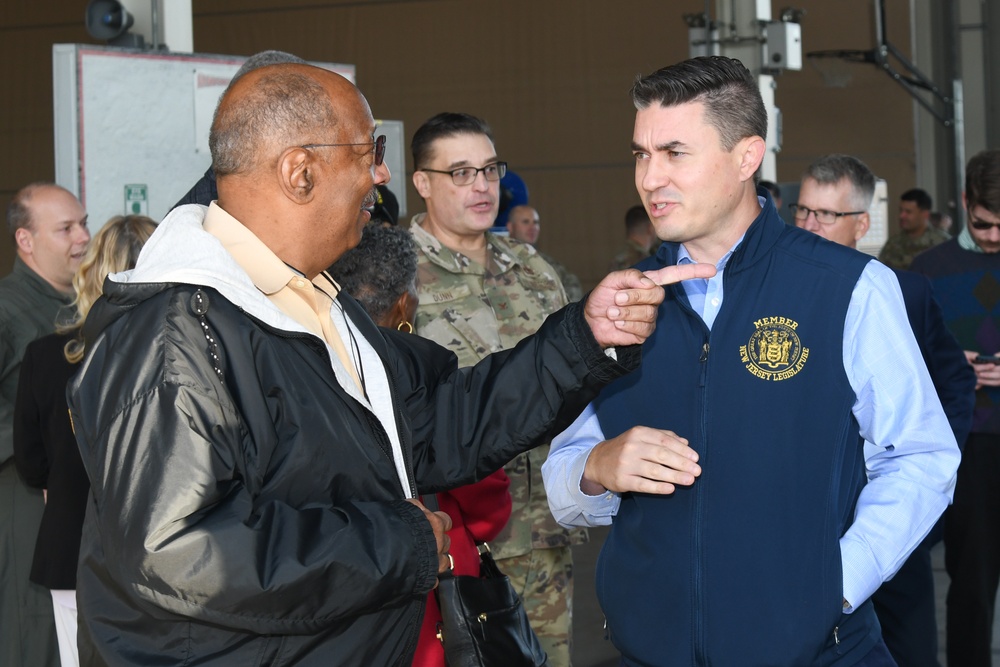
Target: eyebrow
(669,146)
(466,163)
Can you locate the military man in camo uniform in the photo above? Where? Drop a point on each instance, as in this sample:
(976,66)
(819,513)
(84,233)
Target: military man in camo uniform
(916,234)
(479,293)
(640,239)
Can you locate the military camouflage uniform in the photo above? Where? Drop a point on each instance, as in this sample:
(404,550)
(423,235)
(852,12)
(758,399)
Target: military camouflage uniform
(570,283)
(899,251)
(475,311)
(630,255)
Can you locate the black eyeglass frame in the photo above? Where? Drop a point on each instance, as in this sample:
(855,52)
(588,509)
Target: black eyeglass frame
(500,165)
(378,147)
(795,208)
(981,225)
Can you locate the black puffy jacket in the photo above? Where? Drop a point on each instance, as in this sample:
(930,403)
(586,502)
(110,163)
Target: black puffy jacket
(245,510)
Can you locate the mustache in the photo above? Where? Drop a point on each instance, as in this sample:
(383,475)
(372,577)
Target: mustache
(370,199)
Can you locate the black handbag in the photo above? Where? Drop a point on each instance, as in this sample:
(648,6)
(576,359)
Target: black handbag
(483,622)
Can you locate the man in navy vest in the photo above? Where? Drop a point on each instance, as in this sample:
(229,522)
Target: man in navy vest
(965,272)
(749,527)
(834,199)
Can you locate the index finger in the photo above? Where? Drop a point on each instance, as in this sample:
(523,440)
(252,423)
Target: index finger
(674,274)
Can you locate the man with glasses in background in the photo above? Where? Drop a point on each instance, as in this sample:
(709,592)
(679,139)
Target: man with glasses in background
(965,272)
(480,293)
(833,202)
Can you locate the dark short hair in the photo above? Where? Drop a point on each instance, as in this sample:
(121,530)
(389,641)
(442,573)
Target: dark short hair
(835,167)
(919,197)
(379,269)
(982,181)
(283,106)
(771,187)
(386,207)
(636,218)
(446,124)
(18,211)
(733,105)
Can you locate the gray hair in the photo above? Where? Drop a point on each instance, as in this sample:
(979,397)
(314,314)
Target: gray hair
(263,59)
(833,168)
(283,108)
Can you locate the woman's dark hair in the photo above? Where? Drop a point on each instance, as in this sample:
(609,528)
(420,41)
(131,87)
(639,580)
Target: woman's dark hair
(379,270)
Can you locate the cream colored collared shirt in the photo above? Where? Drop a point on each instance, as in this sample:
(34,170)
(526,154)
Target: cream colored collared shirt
(308,303)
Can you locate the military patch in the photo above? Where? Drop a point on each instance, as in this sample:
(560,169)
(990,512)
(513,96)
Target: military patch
(774,351)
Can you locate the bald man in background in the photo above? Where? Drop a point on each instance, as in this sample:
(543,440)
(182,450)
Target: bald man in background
(49,227)
(524,224)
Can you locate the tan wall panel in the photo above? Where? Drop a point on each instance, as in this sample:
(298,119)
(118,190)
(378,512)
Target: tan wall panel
(551,77)
(26,114)
(21,14)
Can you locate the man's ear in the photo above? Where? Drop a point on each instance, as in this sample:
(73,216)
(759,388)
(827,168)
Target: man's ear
(751,153)
(861,228)
(24,240)
(296,175)
(422,184)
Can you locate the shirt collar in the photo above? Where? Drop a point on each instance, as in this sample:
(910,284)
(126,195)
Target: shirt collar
(684,258)
(268,273)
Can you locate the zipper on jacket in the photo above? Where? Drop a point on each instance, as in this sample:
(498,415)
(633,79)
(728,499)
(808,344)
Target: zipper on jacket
(700,639)
(376,428)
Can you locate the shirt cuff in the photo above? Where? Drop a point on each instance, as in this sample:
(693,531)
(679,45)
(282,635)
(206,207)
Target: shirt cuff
(860,582)
(603,505)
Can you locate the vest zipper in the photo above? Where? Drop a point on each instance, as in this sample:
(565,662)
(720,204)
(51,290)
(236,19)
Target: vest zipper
(700,640)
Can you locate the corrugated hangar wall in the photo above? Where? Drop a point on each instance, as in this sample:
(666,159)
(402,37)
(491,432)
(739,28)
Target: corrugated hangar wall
(550,76)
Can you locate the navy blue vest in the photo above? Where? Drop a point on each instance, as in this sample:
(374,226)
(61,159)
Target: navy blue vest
(744,567)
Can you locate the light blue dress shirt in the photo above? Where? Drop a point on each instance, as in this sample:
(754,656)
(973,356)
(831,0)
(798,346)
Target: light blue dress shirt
(911,453)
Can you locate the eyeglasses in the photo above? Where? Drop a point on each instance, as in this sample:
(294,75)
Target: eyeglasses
(981,225)
(379,144)
(468,175)
(822,217)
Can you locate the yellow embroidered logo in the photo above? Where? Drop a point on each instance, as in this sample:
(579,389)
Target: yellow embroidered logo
(774,351)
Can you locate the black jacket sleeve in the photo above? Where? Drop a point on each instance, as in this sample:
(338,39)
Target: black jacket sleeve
(469,422)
